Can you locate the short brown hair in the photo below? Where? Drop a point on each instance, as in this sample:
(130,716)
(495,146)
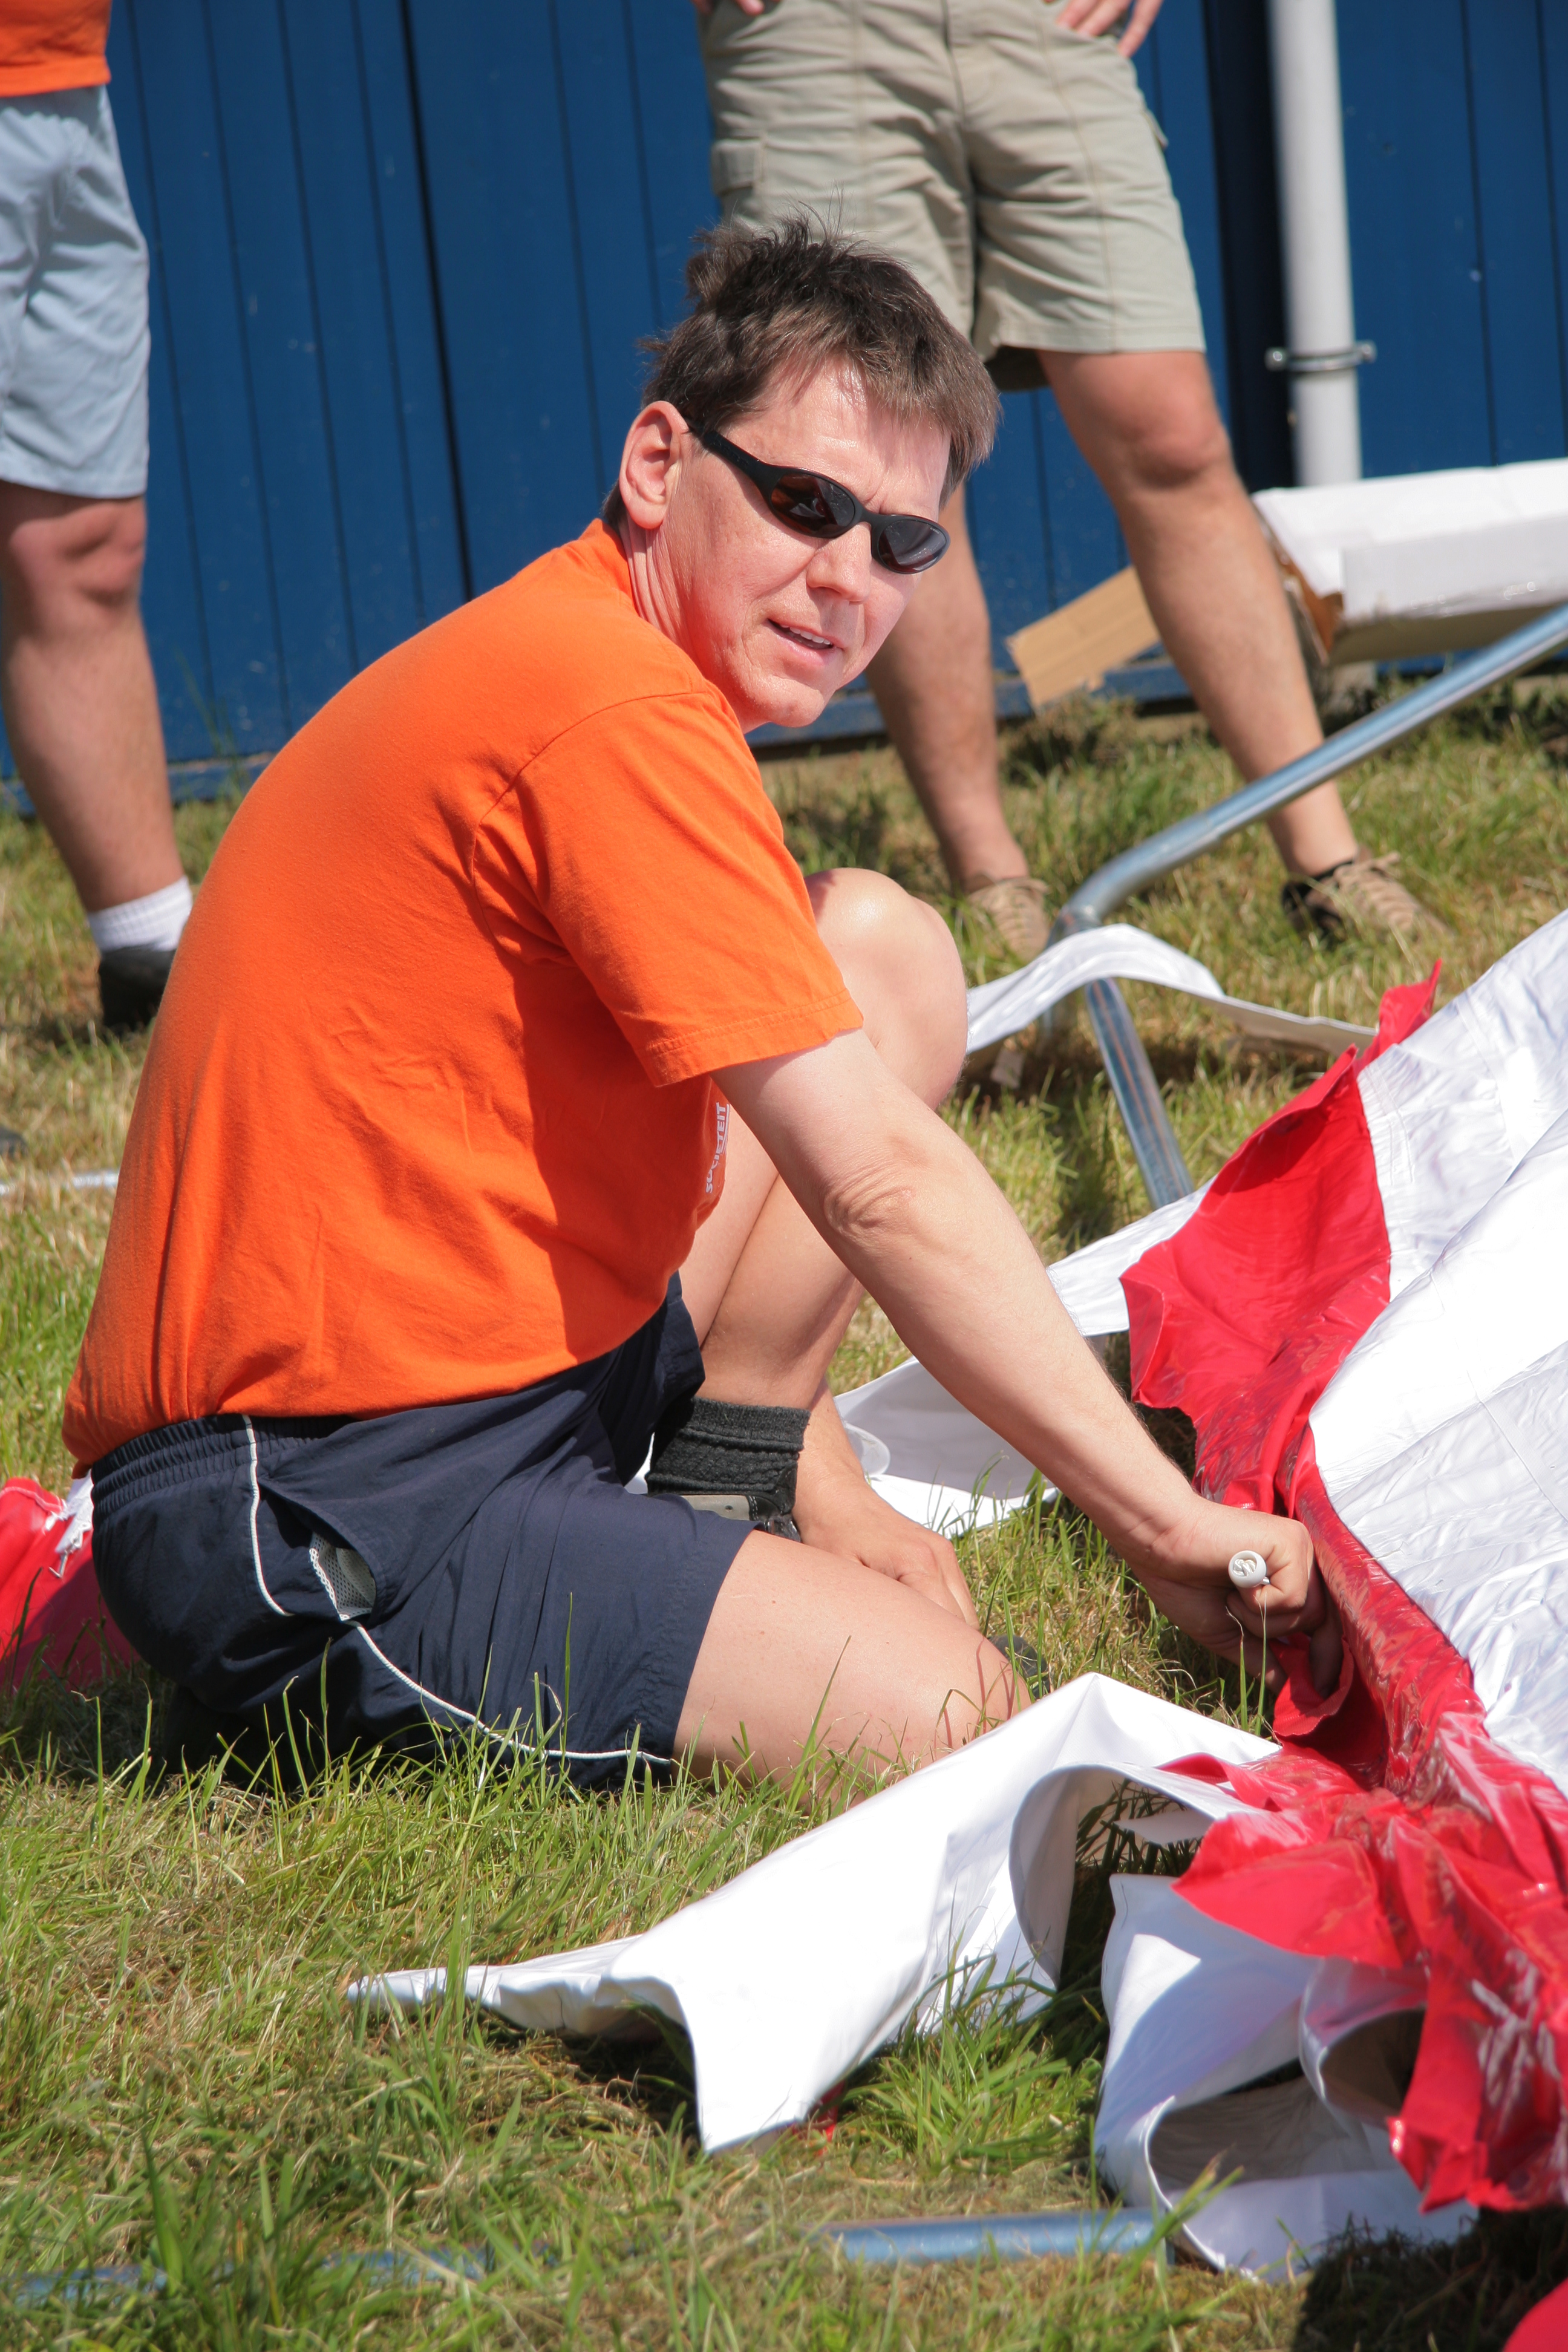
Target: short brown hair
(802,298)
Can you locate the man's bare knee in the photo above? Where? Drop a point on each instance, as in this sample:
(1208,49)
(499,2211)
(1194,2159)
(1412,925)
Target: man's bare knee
(899,964)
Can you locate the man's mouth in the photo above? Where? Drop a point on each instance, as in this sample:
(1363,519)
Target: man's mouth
(806,637)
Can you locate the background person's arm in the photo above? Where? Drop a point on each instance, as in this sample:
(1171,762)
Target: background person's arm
(1090,17)
(914,1216)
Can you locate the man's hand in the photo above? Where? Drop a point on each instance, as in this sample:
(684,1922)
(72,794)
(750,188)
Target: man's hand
(837,1510)
(1191,1585)
(1090,17)
(754,7)
(847,1517)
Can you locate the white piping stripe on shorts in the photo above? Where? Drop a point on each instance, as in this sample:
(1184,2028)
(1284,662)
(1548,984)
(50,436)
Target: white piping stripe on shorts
(507,1738)
(277,1608)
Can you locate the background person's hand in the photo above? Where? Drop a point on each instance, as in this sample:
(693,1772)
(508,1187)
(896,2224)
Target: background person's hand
(1093,17)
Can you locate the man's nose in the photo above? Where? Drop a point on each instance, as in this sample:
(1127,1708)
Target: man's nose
(843,566)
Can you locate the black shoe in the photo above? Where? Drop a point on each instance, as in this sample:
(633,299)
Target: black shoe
(131,984)
(1025,1661)
(12,1144)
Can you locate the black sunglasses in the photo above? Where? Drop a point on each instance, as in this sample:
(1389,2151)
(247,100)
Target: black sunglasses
(824,509)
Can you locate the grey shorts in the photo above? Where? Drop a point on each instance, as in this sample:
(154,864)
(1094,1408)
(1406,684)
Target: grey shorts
(73,301)
(1014,168)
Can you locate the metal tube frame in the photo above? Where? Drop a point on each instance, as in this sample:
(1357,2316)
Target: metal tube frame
(1132,1081)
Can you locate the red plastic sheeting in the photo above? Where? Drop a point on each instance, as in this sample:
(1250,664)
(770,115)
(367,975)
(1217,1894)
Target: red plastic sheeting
(1392,1830)
(51,1611)
(1544,2329)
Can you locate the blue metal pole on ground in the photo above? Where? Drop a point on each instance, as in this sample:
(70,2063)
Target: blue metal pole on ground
(1010,2237)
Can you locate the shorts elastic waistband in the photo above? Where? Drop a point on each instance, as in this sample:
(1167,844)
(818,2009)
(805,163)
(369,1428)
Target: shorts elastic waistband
(187,1450)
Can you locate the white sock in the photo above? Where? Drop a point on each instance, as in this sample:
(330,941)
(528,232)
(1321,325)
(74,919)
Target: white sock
(155,922)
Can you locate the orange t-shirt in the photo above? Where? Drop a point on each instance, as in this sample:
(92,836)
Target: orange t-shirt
(426,1113)
(52,45)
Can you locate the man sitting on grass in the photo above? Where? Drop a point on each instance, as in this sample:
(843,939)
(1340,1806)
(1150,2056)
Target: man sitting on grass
(515,1103)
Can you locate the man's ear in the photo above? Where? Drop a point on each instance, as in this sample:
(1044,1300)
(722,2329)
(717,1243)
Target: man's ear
(650,464)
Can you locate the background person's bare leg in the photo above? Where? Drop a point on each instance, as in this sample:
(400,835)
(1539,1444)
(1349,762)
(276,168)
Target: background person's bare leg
(76,683)
(1147,423)
(867,1618)
(937,691)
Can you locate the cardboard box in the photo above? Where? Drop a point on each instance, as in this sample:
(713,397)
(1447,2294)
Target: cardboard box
(1071,649)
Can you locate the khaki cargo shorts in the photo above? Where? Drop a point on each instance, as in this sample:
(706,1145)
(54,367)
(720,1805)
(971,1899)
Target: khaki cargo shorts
(73,301)
(1013,168)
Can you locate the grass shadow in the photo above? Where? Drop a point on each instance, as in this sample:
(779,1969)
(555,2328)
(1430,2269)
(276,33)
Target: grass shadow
(1391,2295)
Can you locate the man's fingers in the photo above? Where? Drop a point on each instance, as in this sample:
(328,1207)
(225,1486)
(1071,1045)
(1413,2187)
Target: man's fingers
(1325,1652)
(952,1578)
(1283,1548)
(1294,1601)
(943,1584)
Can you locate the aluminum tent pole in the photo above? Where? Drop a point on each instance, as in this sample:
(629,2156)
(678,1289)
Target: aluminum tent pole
(1132,1081)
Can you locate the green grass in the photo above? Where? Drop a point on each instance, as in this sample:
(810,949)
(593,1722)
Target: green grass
(180,2080)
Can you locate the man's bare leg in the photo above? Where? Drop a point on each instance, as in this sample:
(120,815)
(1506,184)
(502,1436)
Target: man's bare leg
(1147,423)
(806,1649)
(77,686)
(936,689)
(866,1621)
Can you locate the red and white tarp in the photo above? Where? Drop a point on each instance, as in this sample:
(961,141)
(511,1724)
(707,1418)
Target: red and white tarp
(1366,1317)
(51,1612)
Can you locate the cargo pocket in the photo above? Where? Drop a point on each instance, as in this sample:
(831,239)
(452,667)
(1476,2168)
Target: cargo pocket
(733,166)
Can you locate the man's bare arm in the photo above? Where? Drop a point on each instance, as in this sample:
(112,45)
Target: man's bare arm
(912,1214)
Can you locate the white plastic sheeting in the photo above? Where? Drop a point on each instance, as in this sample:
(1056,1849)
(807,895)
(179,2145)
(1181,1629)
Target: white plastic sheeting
(958,1881)
(1454,1110)
(1443,1440)
(794,1973)
(1199,2015)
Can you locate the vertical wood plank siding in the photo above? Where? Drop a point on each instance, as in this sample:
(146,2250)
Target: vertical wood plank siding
(404,250)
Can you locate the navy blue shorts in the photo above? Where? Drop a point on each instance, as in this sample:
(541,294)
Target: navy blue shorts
(504,1577)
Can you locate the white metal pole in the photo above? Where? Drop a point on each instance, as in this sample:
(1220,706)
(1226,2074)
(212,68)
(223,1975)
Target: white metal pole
(1322,356)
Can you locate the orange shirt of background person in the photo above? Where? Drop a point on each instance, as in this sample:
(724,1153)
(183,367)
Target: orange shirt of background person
(48,45)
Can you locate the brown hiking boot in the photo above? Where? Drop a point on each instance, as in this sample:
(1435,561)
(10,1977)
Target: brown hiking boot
(1359,896)
(1015,910)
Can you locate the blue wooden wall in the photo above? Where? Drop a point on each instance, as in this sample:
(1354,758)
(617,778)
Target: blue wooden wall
(403,251)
